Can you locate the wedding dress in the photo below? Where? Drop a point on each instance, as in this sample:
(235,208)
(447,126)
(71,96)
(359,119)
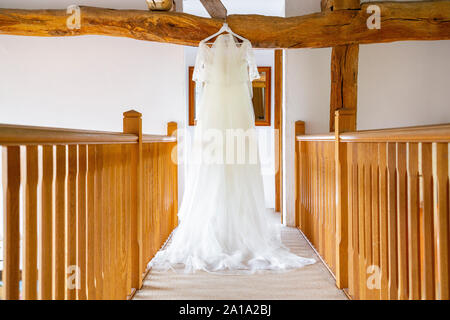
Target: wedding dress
(223,223)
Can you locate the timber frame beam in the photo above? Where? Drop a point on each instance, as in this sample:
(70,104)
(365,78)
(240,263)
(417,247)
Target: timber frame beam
(428,20)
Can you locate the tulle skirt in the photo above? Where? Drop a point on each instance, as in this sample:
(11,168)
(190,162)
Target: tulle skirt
(223,223)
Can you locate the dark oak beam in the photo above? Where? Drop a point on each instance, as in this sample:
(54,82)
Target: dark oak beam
(344,74)
(215,8)
(399,21)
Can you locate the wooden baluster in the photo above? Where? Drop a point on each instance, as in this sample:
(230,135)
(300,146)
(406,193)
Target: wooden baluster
(350,223)
(155,192)
(98,212)
(320,191)
(376,219)
(160,215)
(355,219)
(341,222)
(308,189)
(332,220)
(81,221)
(106,224)
(375,223)
(113,217)
(30,244)
(163,193)
(173,152)
(402,222)
(59,228)
(128,196)
(132,123)
(368,218)
(384,244)
(71,234)
(413,221)
(392,221)
(427,265)
(298,184)
(361,221)
(441,219)
(121,292)
(148,222)
(316,196)
(11,250)
(90,224)
(46,225)
(327,232)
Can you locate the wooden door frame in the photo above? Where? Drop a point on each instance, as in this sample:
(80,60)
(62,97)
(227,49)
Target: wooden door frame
(278,132)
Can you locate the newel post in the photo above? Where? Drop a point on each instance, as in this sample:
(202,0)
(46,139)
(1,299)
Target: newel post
(343,123)
(172,131)
(299,130)
(132,124)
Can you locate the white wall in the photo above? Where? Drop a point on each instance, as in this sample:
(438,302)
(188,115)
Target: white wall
(403,84)
(88,82)
(306,97)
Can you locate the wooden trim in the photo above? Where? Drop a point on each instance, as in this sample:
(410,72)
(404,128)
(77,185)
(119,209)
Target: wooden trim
(191,83)
(267,98)
(268,94)
(278,126)
(425,20)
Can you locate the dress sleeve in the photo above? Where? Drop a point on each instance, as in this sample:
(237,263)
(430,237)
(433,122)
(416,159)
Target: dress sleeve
(199,69)
(252,67)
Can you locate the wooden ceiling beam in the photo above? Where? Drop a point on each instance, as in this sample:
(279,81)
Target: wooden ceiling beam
(400,21)
(215,8)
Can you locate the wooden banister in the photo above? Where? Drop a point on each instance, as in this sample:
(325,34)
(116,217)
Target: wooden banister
(31,135)
(108,201)
(316,137)
(435,133)
(389,230)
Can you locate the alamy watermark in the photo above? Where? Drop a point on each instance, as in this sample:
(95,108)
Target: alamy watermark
(374,20)
(374,278)
(73,22)
(73,277)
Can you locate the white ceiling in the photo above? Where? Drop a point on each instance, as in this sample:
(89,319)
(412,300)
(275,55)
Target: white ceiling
(264,7)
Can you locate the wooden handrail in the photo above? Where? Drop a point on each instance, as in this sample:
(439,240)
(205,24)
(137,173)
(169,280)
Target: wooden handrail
(151,138)
(433,133)
(33,135)
(316,137)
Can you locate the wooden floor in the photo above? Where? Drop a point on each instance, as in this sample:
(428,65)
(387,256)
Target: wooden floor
(310,282)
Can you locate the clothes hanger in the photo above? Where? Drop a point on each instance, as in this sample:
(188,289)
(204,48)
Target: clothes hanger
(225,28)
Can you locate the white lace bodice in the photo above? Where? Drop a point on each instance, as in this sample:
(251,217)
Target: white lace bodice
(225,63)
